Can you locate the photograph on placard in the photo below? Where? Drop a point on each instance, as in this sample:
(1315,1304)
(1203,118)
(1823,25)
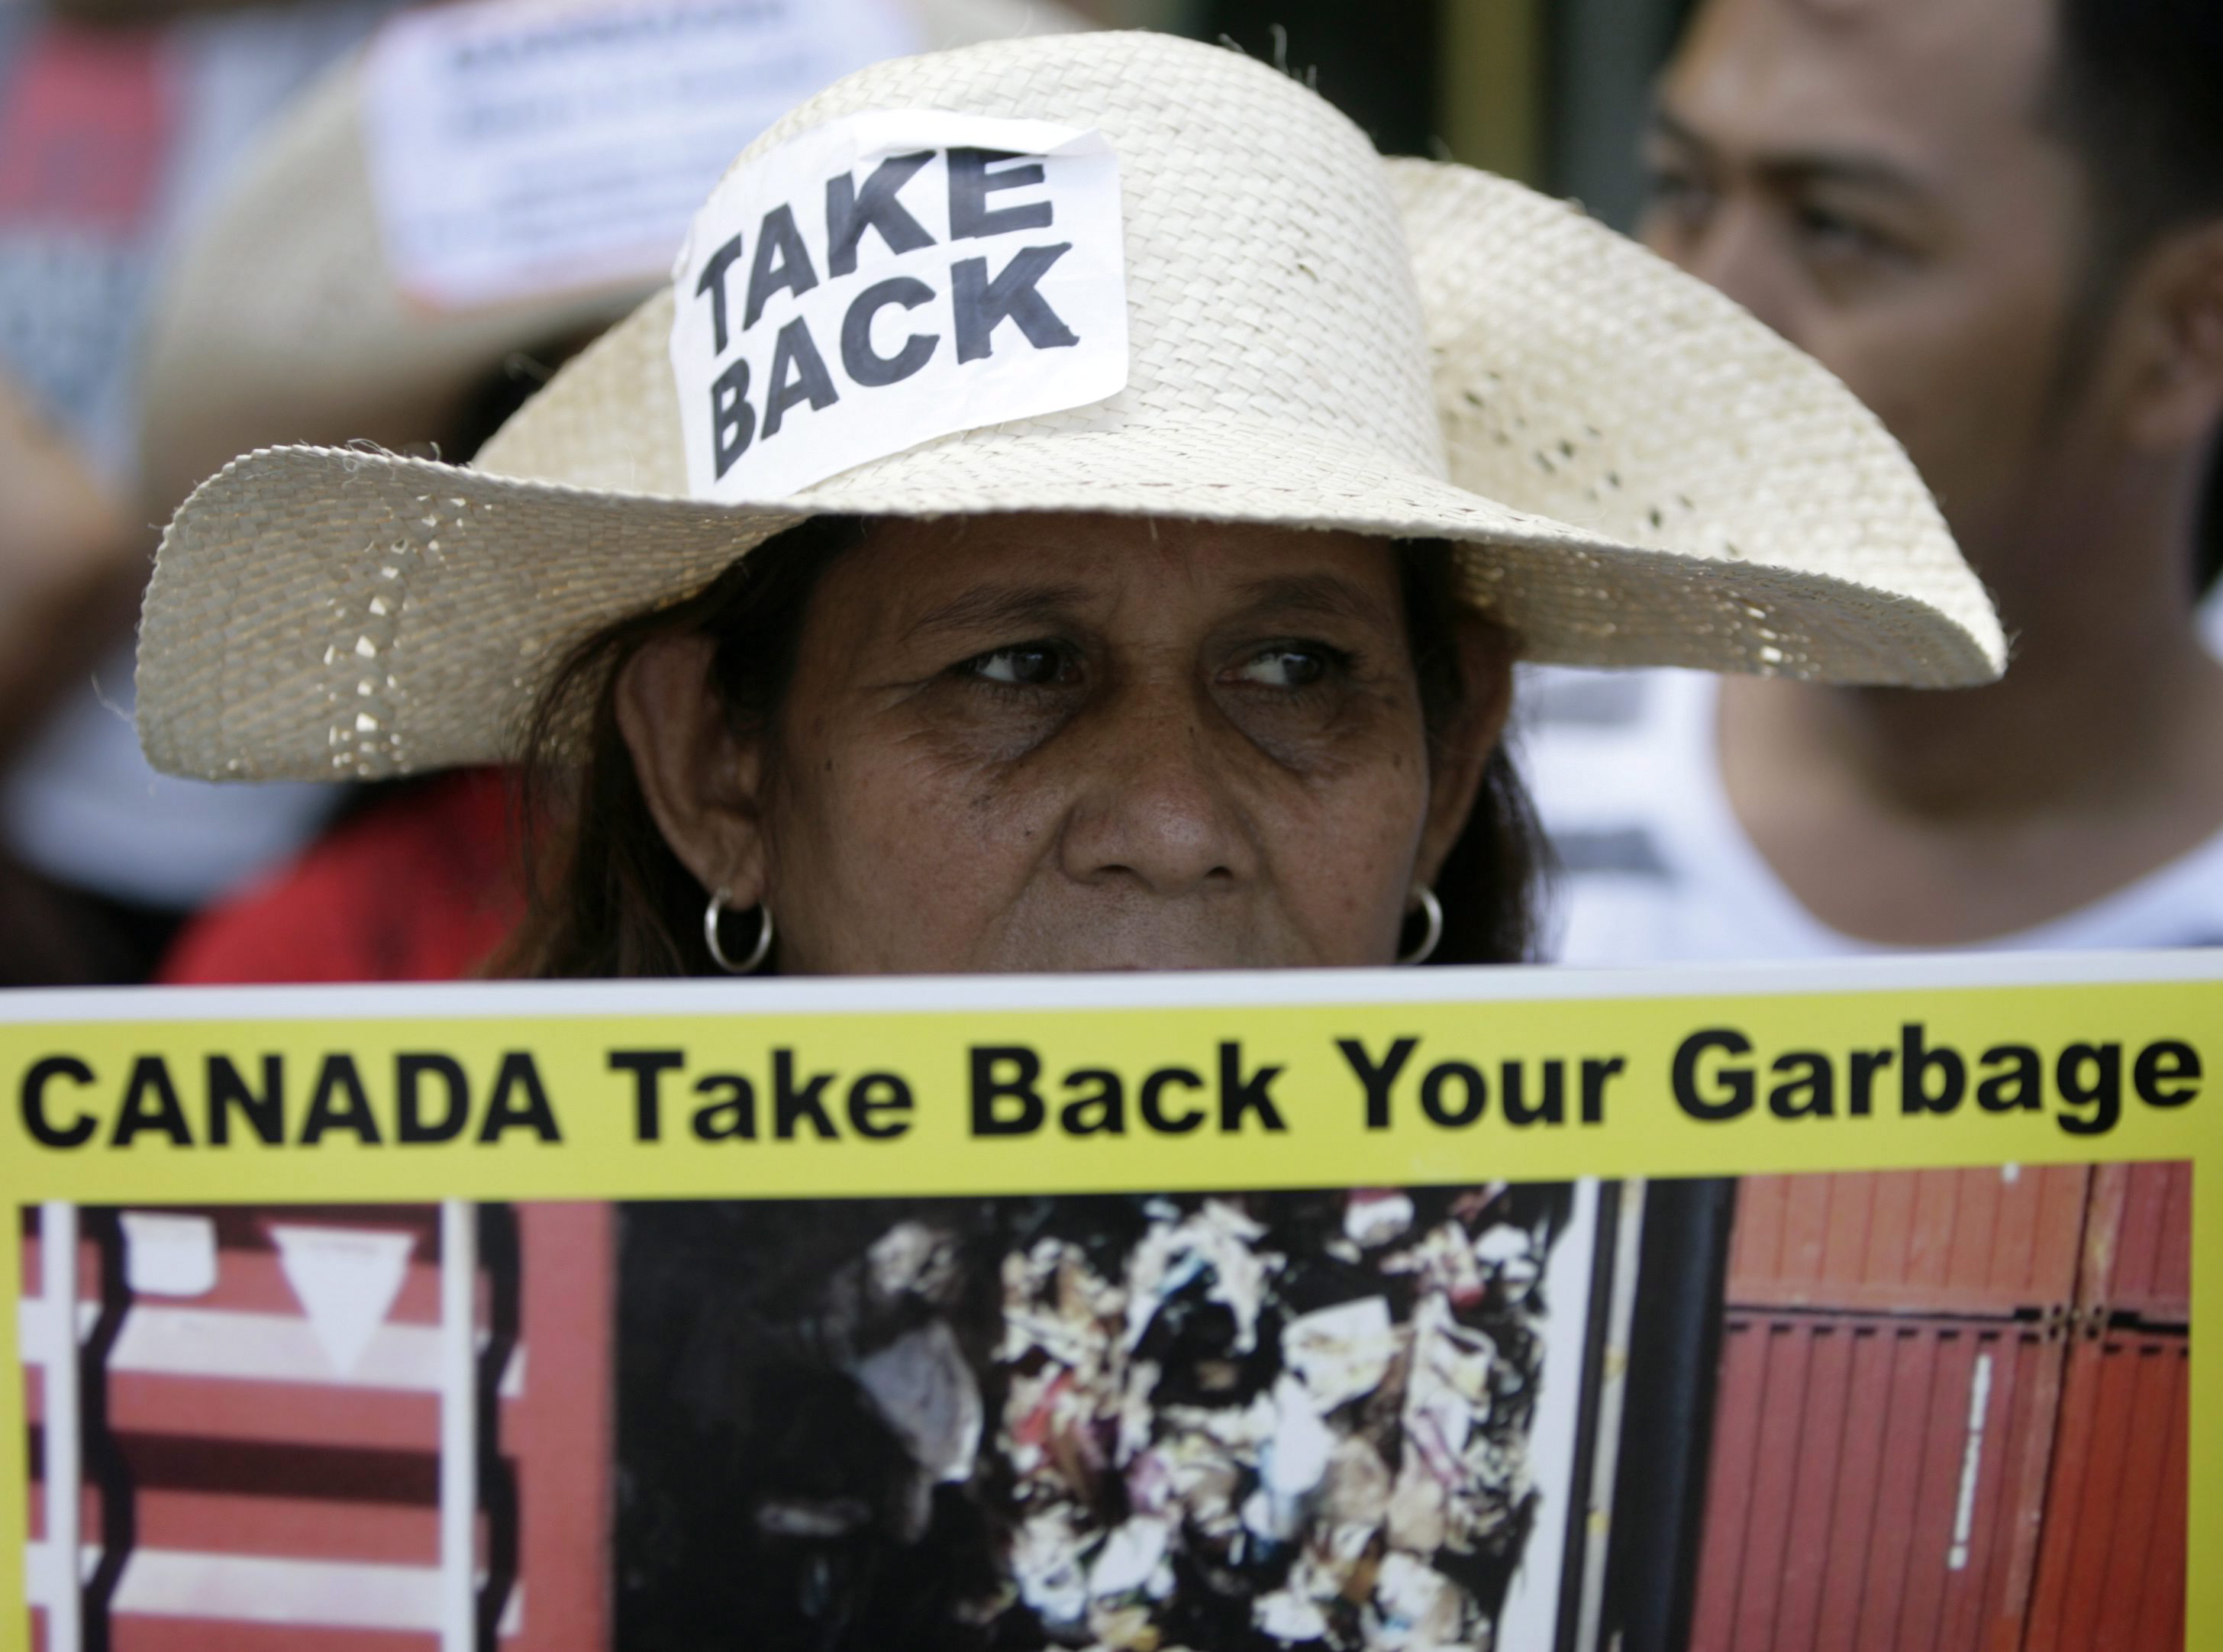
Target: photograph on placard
(1484,1414)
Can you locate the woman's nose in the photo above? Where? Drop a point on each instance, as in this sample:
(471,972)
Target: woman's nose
(1155,802)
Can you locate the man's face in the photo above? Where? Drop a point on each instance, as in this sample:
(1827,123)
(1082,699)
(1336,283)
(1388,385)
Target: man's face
(1873,179)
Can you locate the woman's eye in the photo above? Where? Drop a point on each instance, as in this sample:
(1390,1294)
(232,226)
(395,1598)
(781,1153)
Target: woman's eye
(1286,668)
(1029,665)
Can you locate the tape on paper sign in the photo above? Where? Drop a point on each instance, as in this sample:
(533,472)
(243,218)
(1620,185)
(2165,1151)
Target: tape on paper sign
(890,278)
(518,149)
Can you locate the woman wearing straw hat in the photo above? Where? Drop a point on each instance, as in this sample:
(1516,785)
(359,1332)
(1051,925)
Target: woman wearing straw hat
(1076,508)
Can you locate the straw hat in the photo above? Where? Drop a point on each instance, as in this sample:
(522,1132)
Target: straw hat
(281,319)
(1635,472)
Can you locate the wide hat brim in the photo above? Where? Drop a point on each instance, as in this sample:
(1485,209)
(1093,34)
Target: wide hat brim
(1640,475)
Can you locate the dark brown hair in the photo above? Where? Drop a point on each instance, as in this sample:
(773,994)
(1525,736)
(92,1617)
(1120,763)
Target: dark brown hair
(2133,94)
(610,899)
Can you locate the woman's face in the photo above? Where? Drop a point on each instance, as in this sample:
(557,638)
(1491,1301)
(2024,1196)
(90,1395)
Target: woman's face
(1057,742)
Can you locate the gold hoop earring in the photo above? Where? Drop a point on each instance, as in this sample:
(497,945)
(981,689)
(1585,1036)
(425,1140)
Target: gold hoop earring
(713,916)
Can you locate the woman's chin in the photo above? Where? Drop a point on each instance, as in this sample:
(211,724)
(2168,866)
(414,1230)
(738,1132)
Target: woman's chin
(1100,959)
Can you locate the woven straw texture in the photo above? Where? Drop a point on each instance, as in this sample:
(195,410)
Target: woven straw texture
(344,614)
(1581,377)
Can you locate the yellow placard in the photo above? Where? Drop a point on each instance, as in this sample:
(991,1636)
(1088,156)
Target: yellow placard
(836,1088)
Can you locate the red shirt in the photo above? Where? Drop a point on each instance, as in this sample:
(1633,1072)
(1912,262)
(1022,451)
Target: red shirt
(422,886)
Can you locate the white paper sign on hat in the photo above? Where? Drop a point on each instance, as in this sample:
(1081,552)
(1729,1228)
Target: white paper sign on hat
(520,147)
(888,278)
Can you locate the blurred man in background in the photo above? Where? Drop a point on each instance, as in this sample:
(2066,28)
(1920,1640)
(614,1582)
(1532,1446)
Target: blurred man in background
(2001,223)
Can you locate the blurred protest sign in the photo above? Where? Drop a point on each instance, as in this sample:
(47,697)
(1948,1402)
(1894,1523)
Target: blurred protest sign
(518,147)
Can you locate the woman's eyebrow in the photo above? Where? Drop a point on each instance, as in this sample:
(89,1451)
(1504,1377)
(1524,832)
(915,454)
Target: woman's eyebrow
(1328,594)
(993,608)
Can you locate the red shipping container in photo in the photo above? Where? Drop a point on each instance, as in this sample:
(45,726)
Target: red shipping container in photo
(2138,1250)
(1988,1240)
(277,1502)
(2111,1569)
(1872,1484)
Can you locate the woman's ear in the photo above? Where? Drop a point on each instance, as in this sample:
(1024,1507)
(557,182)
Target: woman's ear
(701,783)
(1460,752)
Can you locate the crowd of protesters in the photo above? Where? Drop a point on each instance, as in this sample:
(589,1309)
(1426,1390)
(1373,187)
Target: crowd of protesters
(1837,567)
(1999,224)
